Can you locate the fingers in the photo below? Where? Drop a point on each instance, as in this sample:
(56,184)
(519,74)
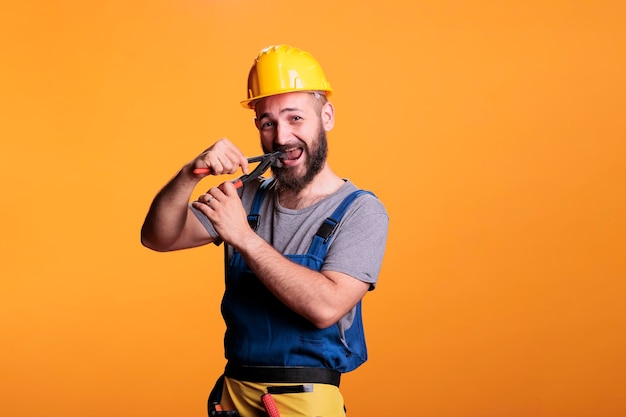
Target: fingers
(243,163)
(217,197)
(212,195)
(228,188)
(223,157)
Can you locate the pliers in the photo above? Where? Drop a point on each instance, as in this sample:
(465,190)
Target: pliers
(266,161)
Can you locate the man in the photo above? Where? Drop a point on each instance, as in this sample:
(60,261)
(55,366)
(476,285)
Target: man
(303,247)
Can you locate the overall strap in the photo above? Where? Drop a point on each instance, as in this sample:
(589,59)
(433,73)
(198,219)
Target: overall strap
(253,217)
(322,238)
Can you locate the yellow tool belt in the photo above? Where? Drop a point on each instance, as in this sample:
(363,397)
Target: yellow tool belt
(250,399)
(276,391)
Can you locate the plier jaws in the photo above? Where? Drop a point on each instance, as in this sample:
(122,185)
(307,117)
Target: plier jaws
(265,161)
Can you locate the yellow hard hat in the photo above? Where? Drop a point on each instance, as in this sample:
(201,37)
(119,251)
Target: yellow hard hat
(283,69)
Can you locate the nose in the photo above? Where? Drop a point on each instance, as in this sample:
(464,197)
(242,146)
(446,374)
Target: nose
(283,134)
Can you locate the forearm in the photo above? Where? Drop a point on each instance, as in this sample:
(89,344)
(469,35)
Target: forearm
(321,298)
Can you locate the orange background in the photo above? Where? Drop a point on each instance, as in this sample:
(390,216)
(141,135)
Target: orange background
(494,132)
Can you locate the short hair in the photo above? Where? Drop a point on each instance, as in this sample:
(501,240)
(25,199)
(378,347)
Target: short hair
(320,98)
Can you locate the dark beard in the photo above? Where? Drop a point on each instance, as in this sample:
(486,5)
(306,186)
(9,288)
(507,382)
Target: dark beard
(286,181)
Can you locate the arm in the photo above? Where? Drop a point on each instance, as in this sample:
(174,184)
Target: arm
(169,224)
(320,297)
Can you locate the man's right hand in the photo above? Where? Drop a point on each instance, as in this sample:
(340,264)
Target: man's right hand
(223,157)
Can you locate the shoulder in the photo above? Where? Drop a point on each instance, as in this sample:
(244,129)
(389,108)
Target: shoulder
(363,212)
(366,200)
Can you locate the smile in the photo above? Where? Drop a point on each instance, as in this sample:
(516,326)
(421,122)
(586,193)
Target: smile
(292,154)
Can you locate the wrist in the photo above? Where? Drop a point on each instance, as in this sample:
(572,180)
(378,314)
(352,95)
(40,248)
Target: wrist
(250,243)
(186,174)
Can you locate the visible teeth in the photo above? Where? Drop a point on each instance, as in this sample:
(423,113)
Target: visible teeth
(288,154)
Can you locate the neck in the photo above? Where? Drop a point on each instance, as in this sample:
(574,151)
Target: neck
(324,184)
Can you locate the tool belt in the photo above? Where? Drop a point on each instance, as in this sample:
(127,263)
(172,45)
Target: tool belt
(272,375)
(283,374)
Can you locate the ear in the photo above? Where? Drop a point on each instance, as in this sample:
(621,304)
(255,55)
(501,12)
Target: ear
(256,122)
(328,116)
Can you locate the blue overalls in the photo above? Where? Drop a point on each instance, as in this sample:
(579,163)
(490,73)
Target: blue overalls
(262,331)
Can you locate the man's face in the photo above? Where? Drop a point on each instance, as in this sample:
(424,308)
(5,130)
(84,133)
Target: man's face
(295,123)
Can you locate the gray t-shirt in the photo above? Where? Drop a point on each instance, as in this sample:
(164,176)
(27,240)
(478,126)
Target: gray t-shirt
(359,241)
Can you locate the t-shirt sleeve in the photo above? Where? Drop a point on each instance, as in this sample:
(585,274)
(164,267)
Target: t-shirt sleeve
(359,243)
(207,225)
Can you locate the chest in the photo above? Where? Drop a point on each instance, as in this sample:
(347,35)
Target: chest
(291,232)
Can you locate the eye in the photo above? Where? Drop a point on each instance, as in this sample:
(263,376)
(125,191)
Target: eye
(297,118)
(266,125)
